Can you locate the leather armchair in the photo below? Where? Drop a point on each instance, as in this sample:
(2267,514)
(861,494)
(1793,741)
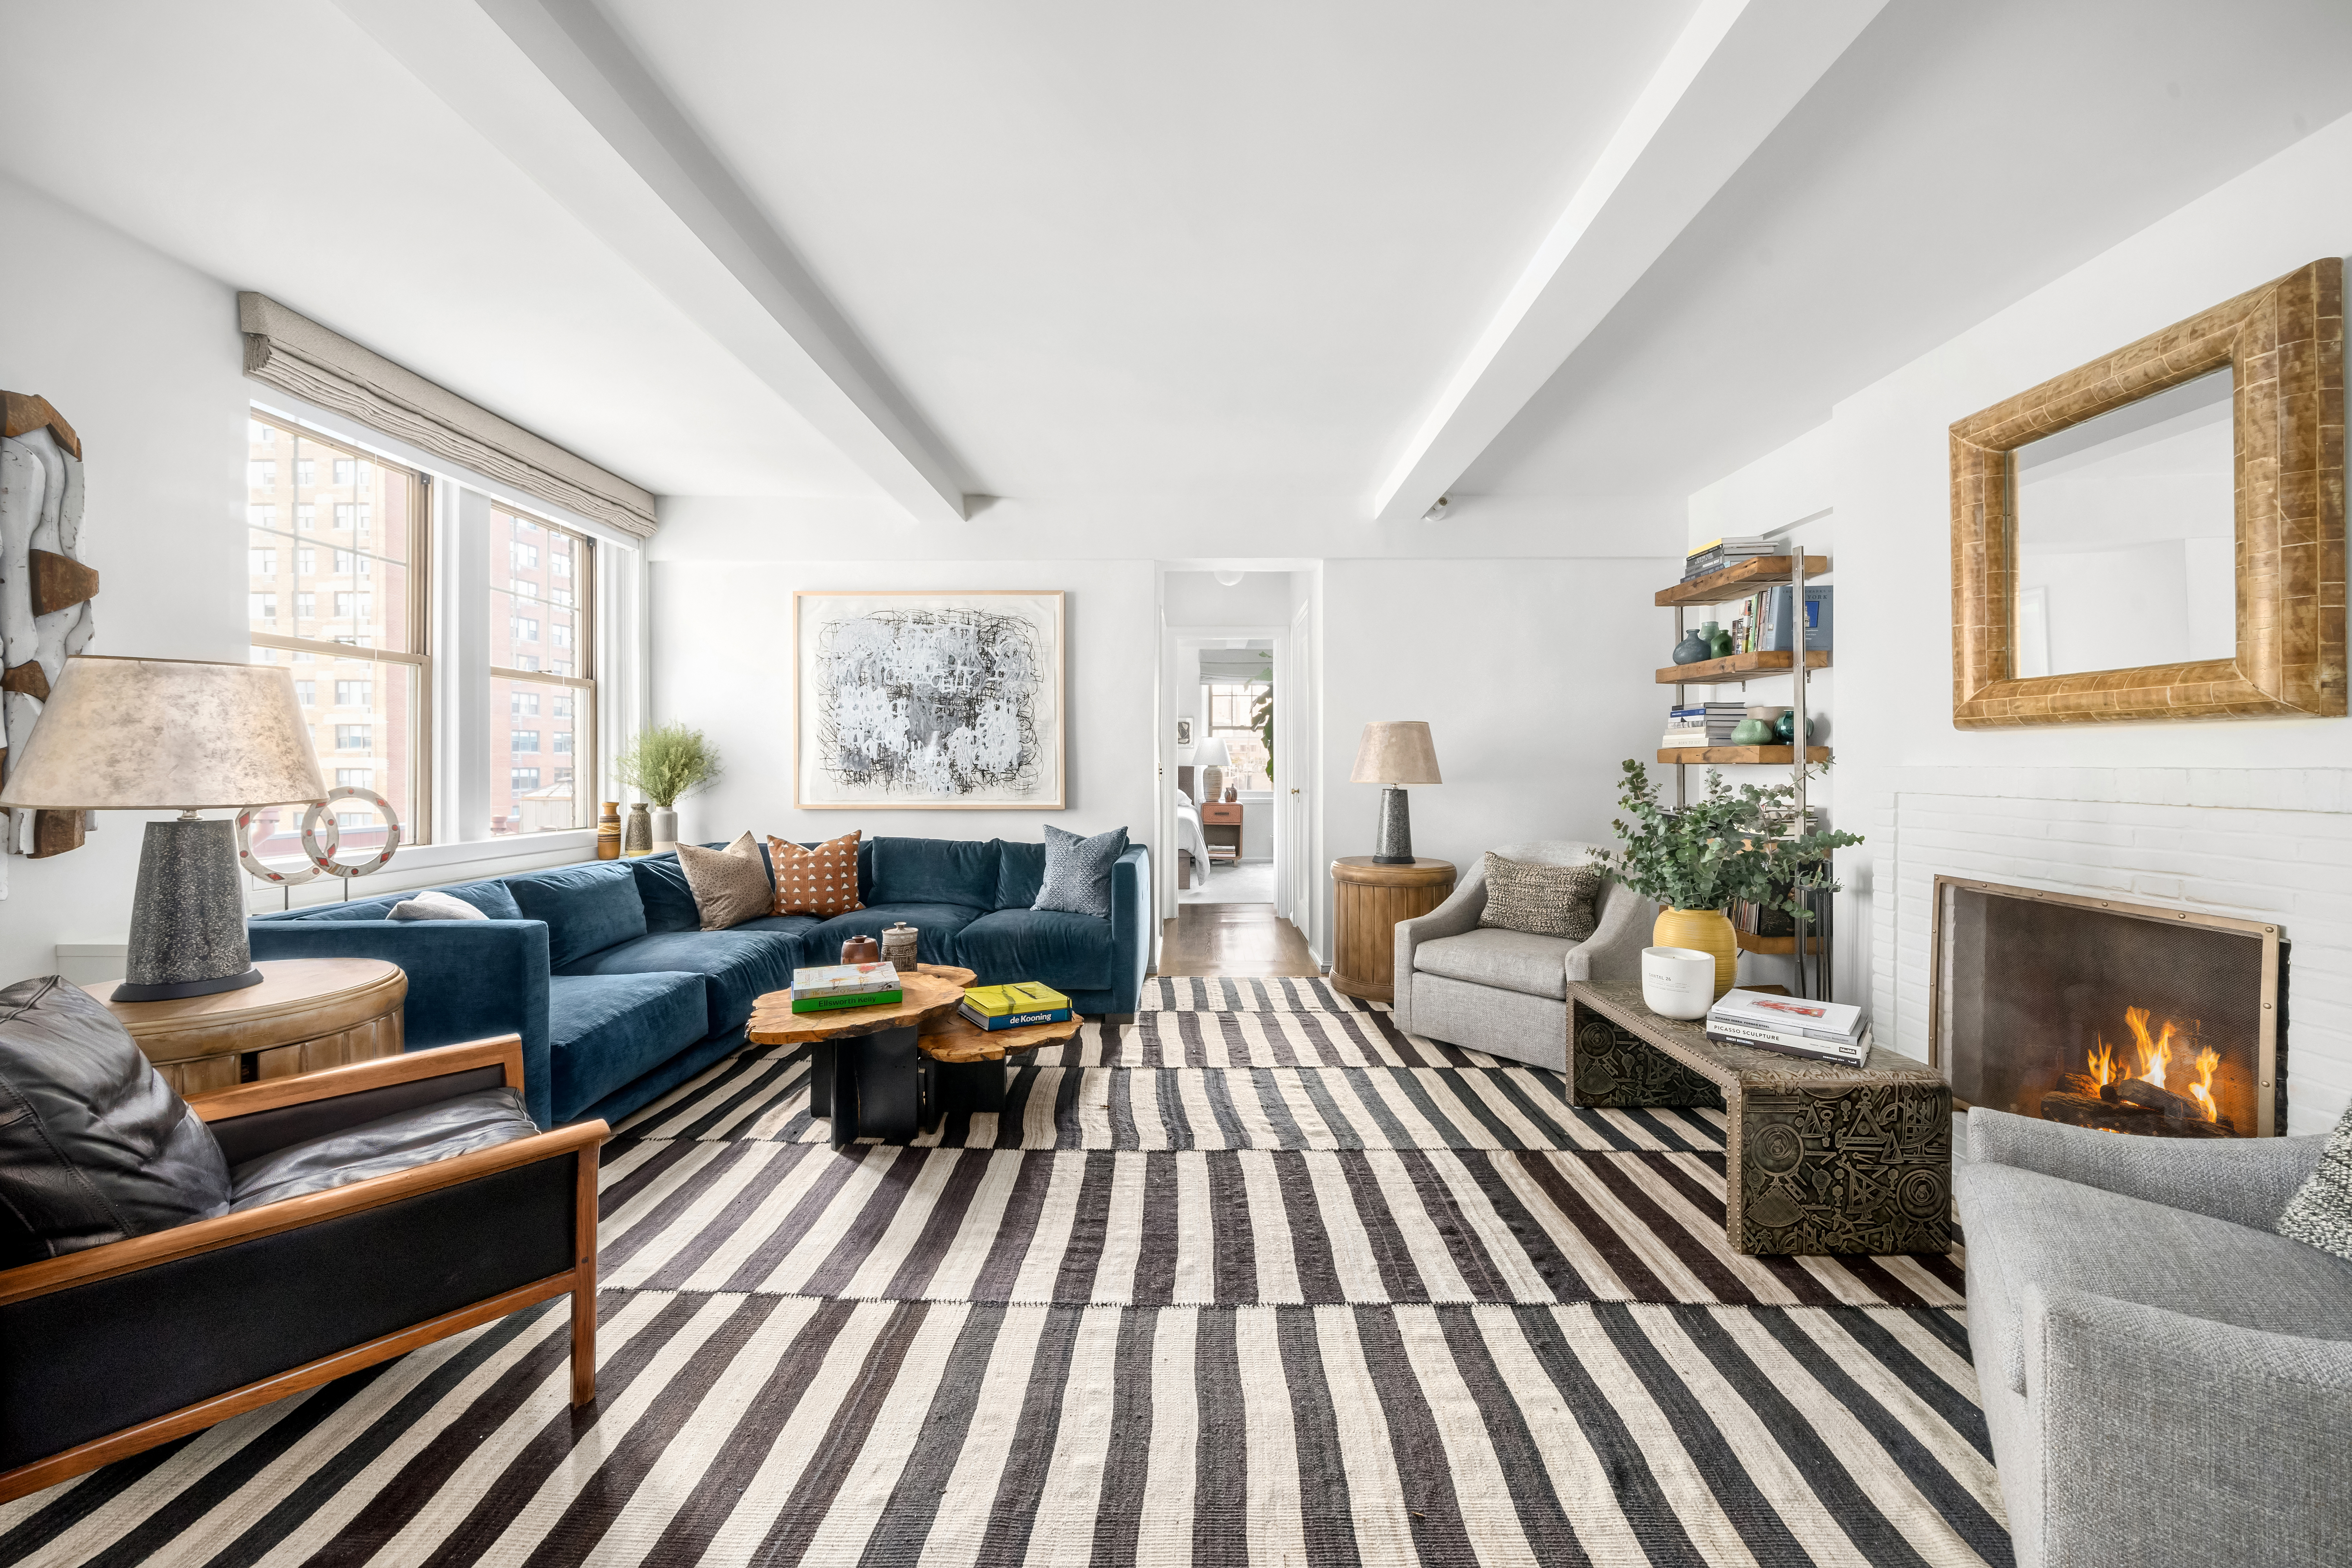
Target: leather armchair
(118,1347)
(1506,991)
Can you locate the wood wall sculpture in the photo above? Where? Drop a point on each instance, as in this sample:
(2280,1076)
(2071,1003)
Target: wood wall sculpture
(2285,341)
(46,615)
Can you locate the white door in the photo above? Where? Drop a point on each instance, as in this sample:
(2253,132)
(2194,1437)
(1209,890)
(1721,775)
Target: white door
(1295,706)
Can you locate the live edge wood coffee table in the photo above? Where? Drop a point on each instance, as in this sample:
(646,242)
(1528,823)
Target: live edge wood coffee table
(1820,1158)
(887,1072)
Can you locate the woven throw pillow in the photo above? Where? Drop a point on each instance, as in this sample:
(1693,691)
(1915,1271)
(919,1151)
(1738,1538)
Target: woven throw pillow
(1540,900)
(1077,871)
(822,881)
(729,885)
(2320,1213)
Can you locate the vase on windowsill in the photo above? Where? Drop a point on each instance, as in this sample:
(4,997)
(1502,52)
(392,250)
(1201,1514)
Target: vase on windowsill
(637,836)
(664,828)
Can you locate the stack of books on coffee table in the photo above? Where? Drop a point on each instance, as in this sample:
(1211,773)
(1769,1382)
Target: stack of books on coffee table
(1015,1006)
(1793,1025)
(833,985)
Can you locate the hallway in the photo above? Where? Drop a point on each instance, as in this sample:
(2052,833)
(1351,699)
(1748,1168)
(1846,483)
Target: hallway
(1245,940)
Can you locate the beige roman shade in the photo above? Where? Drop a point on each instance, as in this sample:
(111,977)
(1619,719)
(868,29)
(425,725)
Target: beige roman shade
(292,351)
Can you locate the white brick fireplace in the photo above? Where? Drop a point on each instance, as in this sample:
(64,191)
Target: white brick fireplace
(2271,843)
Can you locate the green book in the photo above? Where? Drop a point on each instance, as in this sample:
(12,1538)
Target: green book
(854,999)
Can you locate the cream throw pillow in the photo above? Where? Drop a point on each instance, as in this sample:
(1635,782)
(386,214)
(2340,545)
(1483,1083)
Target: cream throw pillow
(729,885)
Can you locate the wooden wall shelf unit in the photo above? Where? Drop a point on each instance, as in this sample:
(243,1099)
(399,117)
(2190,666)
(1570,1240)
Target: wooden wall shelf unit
(1740,668)
(1738,582)
(1741,756)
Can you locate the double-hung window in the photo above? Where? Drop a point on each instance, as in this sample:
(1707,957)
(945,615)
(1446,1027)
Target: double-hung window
(370,653)
(1235,717)
(539,705)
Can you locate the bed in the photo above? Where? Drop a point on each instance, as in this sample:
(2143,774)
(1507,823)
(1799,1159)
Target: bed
(1191,844)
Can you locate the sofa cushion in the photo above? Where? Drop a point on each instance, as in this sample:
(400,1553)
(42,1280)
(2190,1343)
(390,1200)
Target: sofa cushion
(662,888)
(2320,1213)
(491,896)
(1078,870)
(936,926)
(1539,898)
(791,926)
(94,1146)
(1019,873)
(935,871)
(430,905)
(606,1030)
(730,885)
(2023,1227)
(1508,960)
(587,908)
(738,967)
(356,910)
(1067,952)
(822,881)
(446,1128)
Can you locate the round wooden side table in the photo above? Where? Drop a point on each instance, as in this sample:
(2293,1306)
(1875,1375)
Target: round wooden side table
(1368,898)
(307,1013)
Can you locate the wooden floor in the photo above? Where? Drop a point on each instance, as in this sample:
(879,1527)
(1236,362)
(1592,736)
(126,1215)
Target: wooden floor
(1232,939)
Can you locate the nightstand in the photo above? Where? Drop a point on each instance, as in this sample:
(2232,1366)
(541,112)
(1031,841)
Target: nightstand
(1221,825)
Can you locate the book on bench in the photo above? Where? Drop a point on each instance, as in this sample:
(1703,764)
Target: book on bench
(1793,1025)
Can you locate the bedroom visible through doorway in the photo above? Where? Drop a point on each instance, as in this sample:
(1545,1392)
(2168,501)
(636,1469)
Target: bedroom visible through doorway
(1224,791)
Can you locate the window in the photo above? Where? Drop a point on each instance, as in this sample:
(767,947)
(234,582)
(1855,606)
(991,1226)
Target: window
(262,563)
(561,597)
(1232,707)
(543,711)
(350,820)
(372,653)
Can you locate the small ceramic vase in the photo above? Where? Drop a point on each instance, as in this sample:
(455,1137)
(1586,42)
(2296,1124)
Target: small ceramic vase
(1784,728)
(637,838)
(861,950)
(664,828)
(1694,647)
(1710,931)
(608,832)
(1751,733)
(898,946)
(1722,645)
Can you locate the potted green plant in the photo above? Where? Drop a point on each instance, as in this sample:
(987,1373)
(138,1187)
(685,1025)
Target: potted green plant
(666,763)
(1728,846)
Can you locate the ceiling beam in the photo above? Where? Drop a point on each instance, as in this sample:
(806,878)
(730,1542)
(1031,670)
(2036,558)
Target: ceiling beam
(557,91)
(1737,71)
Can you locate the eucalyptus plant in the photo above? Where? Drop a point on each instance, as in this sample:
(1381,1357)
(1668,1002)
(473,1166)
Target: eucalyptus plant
(1720,848)
(666,762)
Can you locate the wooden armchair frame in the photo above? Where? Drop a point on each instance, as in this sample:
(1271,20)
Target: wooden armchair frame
(93,1266)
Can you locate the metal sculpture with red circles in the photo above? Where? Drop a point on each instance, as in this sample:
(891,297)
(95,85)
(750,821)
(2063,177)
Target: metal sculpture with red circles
(322,860)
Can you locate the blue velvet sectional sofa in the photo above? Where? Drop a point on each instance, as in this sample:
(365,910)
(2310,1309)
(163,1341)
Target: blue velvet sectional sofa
(620,996)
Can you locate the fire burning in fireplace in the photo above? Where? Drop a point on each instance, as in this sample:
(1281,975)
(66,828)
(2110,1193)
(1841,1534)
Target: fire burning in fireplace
(2107,1093)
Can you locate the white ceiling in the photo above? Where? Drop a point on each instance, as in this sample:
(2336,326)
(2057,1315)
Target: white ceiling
(1072,253)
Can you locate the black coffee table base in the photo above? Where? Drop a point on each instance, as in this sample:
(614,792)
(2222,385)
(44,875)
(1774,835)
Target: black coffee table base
(882,1086)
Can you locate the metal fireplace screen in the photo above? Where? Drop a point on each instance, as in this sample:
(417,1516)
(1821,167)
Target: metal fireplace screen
(2126,1017)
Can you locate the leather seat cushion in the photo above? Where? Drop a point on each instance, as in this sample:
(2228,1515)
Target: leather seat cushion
(738,966)
(446,1128)
(94,1146)
(1506,960)
(1067,952)
(605,1031)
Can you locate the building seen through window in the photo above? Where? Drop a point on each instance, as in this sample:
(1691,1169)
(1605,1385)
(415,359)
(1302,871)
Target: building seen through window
(541,663)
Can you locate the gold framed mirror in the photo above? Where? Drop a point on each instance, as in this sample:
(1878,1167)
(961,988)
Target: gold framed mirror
(2088,523)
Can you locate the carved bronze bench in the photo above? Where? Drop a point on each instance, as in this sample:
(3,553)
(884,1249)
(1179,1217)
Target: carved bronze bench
(1820,1158)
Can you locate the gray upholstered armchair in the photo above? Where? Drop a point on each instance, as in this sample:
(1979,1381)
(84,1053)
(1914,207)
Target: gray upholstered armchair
(2165,1378)
(1506,991)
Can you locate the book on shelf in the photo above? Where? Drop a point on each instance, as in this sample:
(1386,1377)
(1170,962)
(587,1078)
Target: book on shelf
(1853,1054)
(1776,633)
(1020,996)
(994,1021)
(1833,1023)
(1719,554)
(1761,919)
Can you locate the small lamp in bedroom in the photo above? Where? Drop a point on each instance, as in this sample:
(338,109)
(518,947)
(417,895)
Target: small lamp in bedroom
(154,734)
(1392,754)
(1212,758)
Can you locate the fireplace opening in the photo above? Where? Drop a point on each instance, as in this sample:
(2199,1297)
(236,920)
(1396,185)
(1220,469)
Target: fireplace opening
(2124,1017)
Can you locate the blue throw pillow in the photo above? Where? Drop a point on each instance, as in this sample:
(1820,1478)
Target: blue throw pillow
(1077,871)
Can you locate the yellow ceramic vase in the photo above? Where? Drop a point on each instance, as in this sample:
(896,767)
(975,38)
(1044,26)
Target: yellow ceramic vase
(1707,931)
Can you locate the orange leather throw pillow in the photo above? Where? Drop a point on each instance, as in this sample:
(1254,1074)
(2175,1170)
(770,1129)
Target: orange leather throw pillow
(822,881)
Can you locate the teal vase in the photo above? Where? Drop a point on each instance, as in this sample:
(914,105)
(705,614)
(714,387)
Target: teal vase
(1784,728)
(1694,648)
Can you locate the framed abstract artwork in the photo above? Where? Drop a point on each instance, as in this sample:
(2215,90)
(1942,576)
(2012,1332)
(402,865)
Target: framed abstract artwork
(1184,730)
(928,700)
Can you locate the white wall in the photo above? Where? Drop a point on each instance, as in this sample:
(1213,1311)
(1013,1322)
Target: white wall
(142,356)
(723,663)
(1882,466)
(1535,678)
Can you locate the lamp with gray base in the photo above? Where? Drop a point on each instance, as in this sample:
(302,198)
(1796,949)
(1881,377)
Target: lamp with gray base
(1393,753)
(152,734)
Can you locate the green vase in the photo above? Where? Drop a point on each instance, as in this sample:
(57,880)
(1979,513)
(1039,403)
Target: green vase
(1784,728)
(1751,733)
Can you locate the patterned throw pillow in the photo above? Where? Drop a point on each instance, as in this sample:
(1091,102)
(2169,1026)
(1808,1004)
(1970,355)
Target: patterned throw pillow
(2320,1213)
(1077,871)
(822,881)
(729,885)
(1542,901)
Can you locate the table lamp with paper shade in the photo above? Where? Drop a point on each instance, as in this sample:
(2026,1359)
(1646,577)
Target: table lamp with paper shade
(1393,753)
(156,734)
(1213,757)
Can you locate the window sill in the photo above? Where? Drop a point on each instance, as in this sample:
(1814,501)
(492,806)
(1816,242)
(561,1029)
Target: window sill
(431,865)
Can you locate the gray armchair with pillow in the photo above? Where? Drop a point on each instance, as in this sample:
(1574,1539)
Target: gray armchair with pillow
(1506,991)
(2165,1377)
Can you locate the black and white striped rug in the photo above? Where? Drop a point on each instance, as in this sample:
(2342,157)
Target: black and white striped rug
(1257,1279)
